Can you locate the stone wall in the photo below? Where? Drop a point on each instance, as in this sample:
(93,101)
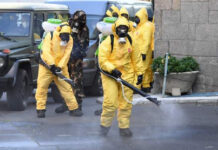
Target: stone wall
(190,27)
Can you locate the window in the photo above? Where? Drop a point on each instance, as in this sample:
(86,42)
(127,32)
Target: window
(63,17)
(91,23)
(52,15)
(15,24)
(37,26)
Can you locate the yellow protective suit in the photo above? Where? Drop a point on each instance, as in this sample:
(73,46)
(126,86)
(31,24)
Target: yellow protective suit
(143,35)
(54,54)
(113,9)
(125,59)
(151,76)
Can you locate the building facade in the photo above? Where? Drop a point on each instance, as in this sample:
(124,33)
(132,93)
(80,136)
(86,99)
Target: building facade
(190,27)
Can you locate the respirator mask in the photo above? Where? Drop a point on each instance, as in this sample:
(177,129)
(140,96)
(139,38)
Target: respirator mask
(122,32)
(75,27)
(137,21)
(65,37)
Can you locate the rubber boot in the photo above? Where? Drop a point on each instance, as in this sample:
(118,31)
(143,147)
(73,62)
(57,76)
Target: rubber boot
(104,130)
(77,112)
(151,84)
(125,132)
(61,109)
(41,113)
(98,112)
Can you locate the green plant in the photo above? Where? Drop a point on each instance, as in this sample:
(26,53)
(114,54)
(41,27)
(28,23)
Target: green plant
(175,65)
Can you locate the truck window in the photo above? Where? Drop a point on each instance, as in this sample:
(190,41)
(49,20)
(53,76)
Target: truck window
(15,23)
(63,17)
(37,26)
(91,23)
(52,15)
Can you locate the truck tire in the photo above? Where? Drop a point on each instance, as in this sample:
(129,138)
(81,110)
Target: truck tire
(96,89)
(18,95)
(56,94)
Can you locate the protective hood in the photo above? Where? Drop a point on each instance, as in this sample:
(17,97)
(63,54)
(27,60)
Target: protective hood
(120,21)
(142,15)
(65,29)
(113,9)
(123,11)
(80,15)
(109,13)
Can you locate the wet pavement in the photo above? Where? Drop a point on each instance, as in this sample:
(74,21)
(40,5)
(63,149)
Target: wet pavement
(170,127)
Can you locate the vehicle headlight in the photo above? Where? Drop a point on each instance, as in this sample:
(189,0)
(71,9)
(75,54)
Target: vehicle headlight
(2,62)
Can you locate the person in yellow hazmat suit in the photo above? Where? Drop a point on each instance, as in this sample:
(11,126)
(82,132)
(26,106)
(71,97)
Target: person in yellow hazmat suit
(56,51)
(113,11)
(120,61)
(143,35)
(124,13)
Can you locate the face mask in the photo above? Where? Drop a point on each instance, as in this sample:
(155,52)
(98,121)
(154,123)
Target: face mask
(75,27)
(64,39)
(63,43)
(137,20)
(122,31)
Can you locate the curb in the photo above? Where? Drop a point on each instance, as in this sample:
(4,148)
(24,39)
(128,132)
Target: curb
(176,100)
(193,100)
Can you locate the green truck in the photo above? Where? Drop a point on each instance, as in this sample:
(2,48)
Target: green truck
(20,34)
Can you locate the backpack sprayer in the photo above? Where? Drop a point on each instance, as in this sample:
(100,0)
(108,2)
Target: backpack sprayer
(105,28)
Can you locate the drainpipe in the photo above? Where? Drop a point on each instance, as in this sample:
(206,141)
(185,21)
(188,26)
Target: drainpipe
(165,75)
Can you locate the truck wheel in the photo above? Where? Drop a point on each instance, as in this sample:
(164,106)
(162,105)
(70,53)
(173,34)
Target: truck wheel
(97,89)
(18,95)
(56,94)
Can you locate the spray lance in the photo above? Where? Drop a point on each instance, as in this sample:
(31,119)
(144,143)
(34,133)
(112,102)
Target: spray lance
(58,74)
(123,82)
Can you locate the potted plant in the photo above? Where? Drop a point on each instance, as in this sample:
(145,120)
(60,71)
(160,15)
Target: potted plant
(181,73)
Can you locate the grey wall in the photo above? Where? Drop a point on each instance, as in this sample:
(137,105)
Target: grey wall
(190,27)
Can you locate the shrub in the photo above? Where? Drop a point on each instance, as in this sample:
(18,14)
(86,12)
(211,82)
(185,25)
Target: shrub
(185,64)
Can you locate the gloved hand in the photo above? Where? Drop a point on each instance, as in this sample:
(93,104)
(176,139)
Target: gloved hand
(116,73)
(54,69)
(152,54)
(143,57)
(139,80)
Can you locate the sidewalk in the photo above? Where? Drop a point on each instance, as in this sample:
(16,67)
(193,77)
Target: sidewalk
(195,98)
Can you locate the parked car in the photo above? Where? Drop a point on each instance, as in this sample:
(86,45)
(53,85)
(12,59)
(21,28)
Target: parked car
(95,10)
(20,34)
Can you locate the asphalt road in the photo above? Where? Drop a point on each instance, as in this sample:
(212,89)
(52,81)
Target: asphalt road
(170,127)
